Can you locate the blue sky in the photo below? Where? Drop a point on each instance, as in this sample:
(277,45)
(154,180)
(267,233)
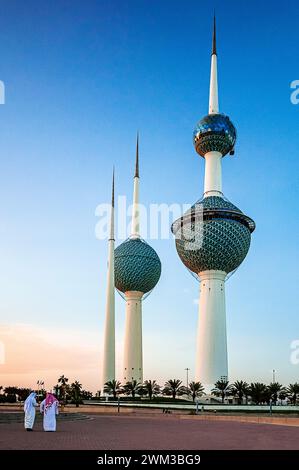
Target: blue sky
(80,79)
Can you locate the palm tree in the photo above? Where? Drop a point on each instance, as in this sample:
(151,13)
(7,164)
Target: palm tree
(23,393)
(283,394)
(151,388)
(11,394)
(240,389)
(133,388)
(63,380)
(221,389)
(112,387)
(63,387)
(275,389)
(86,394)
(174,387)
(11,390)
(76,396)
(293,392)
(196,389)
(259,393)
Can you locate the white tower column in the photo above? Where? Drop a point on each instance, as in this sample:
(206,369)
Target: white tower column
(211,355)
(213,98)
(132,368)
(108,372)
(213,174)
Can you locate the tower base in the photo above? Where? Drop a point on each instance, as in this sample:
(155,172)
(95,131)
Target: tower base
(211,356)
(132,367)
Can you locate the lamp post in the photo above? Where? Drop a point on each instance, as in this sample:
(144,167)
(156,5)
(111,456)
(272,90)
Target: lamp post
(40,384)
(187,378)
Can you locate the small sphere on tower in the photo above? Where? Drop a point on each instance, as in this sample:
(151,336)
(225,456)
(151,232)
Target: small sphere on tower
(137,266)
(214,133)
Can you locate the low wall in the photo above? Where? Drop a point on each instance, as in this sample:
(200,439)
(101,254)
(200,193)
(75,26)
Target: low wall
(192,407)
(155,411)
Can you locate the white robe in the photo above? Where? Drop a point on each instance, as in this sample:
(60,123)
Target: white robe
(49,415)
(30,415)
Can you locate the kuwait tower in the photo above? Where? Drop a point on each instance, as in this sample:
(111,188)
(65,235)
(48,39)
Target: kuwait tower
(213,237)
(137,271)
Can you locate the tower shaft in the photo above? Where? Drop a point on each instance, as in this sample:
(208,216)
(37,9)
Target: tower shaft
(213,174)
(135,232)
(108,373)
(213,100)
(211,356)
(132,367)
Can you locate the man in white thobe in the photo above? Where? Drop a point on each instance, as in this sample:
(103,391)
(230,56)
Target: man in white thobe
(29,409)
(49,408)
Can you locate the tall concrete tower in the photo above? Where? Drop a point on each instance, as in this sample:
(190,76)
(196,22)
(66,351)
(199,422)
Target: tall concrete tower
(213,237)
(108,372)
(137,271)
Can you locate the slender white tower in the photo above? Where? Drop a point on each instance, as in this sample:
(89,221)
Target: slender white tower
(213,237)
(109,331)
(133,358)
(211,354)
(137,271)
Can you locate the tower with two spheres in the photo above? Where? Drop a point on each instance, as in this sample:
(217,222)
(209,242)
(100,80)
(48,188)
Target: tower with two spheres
(213,237)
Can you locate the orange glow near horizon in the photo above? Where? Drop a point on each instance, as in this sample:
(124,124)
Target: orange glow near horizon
(30,354)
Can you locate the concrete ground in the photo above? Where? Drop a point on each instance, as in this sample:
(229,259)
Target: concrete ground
(129,432)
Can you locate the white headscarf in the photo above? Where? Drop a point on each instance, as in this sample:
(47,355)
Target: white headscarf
(29,401)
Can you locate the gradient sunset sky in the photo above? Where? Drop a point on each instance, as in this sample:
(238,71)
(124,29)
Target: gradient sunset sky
(81,78)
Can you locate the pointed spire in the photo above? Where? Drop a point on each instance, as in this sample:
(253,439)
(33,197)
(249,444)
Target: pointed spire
(111,237)
(137,158)
(213,99)
(135,214)
(214,37)
(112,196)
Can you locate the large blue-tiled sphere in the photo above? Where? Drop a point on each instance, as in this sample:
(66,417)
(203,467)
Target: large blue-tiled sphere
(137,266)
(213,235)
(214,132)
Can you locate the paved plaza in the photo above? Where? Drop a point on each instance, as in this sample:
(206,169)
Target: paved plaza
(168,432)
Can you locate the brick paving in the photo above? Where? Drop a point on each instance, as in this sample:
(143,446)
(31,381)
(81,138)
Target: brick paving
(152,433)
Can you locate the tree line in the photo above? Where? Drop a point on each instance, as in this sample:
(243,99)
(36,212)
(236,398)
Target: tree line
(256,393)
(66,392)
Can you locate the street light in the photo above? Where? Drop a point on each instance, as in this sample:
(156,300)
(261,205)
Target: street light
(40,384)
(187,373)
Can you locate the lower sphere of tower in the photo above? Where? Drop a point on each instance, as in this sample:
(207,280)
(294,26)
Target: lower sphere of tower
(137,266)
(213,235)
(214,133)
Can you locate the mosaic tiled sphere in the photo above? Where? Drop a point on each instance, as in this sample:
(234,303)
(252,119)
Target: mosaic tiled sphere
(214,132)
(137,266)
(213,235)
